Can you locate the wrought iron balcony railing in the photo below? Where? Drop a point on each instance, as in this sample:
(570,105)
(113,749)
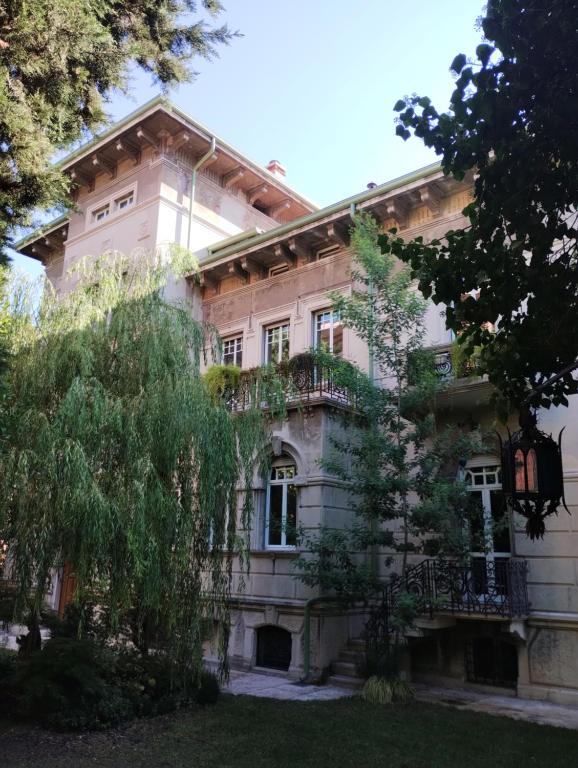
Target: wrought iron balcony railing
(485,587)
(443,364)
(453,366)
(294,383)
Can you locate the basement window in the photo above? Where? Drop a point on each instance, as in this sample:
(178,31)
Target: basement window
(273,648)
(492,661)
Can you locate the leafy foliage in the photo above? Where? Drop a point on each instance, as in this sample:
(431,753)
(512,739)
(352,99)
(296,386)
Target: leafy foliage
(120,464)
(399,468)
(4,345)
(331,562)
(74,684)
(511,120)
(8,661)
(60,60)
(221,378)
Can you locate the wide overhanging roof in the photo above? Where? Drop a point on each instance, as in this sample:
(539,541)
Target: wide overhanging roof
(162,124)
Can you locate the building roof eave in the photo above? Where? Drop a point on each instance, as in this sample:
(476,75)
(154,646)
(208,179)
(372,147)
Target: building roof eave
(41,231)
(162,103)
(224,248)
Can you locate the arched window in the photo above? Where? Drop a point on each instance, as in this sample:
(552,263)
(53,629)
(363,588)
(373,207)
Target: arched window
(281,505)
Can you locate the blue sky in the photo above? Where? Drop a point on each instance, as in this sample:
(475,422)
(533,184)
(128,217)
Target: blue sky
(312,84)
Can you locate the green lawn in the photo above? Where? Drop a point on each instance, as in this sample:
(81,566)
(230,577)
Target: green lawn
(259,733)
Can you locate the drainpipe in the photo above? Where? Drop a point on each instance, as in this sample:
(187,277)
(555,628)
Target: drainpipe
(307,632)
(198,165)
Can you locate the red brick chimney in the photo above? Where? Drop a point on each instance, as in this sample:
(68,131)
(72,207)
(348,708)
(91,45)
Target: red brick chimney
(276,169)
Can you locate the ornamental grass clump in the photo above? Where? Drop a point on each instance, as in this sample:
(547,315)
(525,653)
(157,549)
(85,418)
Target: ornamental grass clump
(379,690)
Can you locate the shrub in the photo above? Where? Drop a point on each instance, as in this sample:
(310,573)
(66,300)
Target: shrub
(208,689)
(8,661)
(221,378)
(70,685)
(76,684)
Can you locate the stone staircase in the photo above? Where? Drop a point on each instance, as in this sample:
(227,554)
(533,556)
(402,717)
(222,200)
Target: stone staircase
(345,674)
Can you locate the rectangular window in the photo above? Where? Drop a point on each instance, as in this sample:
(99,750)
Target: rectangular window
(328,331)
(275,522)
(233,351)
(277,343)
(99,214)
(281,514)
(114,206)
(121,203)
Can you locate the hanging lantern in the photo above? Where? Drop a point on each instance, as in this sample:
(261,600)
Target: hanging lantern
(532,476)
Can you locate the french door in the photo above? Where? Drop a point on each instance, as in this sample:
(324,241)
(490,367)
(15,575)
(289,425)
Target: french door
(489,532)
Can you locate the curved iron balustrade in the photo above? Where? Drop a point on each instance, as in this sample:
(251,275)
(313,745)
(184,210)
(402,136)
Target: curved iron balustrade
(484,587)
(299,381)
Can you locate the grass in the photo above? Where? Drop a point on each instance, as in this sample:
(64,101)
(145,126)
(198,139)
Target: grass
(260,733)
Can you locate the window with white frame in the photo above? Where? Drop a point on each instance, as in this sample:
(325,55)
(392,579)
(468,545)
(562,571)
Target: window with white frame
(101,213)
(489,528)
(124,201)
(114,206)
(233,351)
(277,343)
(281,505)
(328,331)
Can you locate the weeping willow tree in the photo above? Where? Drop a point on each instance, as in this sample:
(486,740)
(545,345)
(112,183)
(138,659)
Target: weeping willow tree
(118,461)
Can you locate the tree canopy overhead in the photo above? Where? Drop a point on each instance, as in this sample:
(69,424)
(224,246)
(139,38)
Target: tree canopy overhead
(60,60)
(513,122)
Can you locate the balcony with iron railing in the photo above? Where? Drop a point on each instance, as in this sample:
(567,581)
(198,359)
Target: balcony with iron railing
(301,381)
(464,386)
(484,588)
(306,379)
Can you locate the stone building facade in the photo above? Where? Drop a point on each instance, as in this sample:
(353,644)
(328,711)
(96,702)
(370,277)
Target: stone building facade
(268,259)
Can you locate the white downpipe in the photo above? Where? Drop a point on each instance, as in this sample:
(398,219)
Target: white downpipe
(198,165)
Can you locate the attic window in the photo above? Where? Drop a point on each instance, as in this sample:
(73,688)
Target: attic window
(102,213)
(125,201)
(115,205)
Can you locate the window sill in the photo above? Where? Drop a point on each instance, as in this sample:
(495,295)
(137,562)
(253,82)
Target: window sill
(274,551)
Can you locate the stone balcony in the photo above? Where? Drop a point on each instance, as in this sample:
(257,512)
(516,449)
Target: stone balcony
(465,389)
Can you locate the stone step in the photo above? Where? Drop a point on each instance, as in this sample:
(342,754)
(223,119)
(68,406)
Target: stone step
(356,644)
(347,668)
(344,681)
